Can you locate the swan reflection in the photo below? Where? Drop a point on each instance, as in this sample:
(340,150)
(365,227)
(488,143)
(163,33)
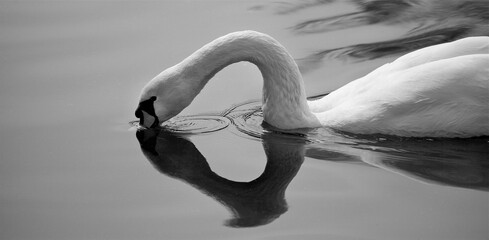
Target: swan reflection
(253,203)
(451,162)
(444,161)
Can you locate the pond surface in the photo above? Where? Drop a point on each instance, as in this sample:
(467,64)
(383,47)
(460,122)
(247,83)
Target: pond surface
(73,166)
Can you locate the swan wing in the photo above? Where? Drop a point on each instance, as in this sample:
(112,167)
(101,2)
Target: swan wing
(466,46)
(438,98)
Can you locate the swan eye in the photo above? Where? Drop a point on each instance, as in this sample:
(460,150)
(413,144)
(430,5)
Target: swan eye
(146,107)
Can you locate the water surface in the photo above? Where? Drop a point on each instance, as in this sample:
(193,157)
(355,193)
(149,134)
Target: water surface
(73,168)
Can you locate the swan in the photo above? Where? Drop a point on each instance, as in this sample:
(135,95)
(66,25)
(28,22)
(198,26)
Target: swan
(437,91)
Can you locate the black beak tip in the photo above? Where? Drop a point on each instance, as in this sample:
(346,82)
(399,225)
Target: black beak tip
(148,108)
(138,113)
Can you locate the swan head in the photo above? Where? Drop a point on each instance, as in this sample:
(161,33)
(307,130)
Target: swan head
(164,97)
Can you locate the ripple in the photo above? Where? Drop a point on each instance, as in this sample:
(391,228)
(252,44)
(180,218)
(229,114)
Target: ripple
(195,124)
(247,118)
(134,125)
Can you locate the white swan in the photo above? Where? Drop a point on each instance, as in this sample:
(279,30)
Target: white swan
(438,91)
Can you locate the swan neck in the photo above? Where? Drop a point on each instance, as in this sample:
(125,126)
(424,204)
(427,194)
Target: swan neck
(283,89)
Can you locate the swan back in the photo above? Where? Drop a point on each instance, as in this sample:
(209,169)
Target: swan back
(443,98)
(466,46)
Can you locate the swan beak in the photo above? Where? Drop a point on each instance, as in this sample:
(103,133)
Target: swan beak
(146,114)
(148,121)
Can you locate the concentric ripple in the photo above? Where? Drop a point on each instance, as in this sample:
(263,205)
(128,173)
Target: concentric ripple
(247,118)
(195,124)
(191,124)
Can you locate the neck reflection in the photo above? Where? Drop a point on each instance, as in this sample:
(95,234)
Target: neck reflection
(253,203)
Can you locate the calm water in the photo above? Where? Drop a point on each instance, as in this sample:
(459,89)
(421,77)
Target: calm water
(72,167)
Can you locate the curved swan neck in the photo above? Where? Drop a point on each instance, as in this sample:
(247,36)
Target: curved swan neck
(284,97)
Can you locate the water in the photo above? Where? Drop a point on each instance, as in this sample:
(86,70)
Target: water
(73,168)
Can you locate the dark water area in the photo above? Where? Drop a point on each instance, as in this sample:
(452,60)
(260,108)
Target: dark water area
(435,22)
(75,165)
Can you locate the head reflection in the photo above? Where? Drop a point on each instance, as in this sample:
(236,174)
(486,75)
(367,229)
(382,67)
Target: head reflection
(253,203)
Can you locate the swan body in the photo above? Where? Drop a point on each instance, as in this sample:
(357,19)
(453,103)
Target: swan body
(437,91)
